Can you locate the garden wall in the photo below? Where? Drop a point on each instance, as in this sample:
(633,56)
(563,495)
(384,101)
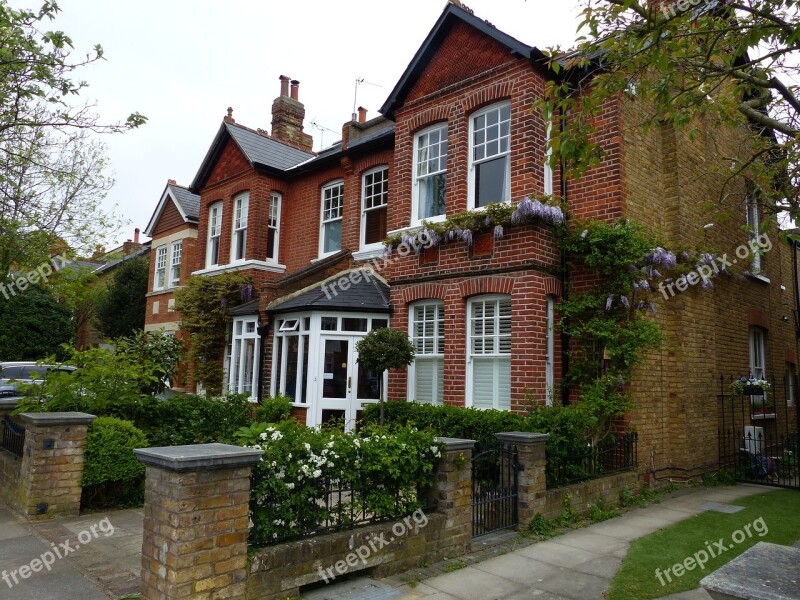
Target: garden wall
(589,492)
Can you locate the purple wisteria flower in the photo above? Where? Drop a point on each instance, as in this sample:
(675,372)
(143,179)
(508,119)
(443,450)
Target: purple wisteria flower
(625,302)
(584,233)
(706,283)
(535,209)
(609,301)
(642,284)
(466,236)
(651,308)
(498,231)
(661,258)
(706,259)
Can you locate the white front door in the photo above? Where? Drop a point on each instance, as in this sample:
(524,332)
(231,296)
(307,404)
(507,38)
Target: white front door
(345,387)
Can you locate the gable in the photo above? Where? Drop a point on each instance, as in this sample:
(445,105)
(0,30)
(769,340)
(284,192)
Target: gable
(464,53)
(231,162)
(170,218)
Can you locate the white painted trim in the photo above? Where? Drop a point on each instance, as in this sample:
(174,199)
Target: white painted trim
(416,222)
(369,253)
(257,265)
(470,154)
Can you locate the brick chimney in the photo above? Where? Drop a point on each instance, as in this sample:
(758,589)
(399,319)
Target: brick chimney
(362,114)
(129,247)
(287,116)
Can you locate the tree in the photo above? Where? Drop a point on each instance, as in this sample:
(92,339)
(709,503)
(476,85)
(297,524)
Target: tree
(696,64)
(34,325)
(51,168)
(383,349)
(121,309)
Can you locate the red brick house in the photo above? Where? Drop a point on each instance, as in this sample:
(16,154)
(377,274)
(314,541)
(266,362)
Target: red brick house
(456,133)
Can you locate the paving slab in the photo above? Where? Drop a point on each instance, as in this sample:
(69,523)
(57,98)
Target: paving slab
(587,540)
(473,584)
(576,586)
(519,568)
(555,553)
(362,588)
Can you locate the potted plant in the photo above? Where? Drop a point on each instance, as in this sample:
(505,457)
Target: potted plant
(383,349)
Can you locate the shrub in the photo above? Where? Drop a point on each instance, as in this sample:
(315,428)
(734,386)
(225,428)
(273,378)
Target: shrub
(111,470)
(274,410)
(381,474)
(601,511)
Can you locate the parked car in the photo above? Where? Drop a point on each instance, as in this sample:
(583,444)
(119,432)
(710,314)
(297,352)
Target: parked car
(14,375)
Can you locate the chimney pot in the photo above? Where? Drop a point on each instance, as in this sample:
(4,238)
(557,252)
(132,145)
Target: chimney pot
(229,117)
(284,85)
(295,88)
(362,114)
(171,182)
(136,235)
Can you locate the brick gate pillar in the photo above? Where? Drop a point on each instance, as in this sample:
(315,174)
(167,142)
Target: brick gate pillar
(52,463)
(195,521)
(531,482)
(452,491)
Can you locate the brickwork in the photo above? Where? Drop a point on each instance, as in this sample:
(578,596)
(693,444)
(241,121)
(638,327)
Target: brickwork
(195,521)
(581,495)
(531,479)
(46,481)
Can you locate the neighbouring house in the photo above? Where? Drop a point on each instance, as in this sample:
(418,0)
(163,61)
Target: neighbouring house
(173,229)
(456,133)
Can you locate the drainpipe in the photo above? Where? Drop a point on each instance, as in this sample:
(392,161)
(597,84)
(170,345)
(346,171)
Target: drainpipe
(795,247)
(263,331)
(564,279)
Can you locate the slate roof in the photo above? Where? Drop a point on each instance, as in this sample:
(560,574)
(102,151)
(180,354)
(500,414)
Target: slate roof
(262,150)
(189,202)
(369,294)
(246,309)
(114,263)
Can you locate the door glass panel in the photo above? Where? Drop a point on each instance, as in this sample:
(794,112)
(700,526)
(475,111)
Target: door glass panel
(334,374)
(333,417)
(379,323)
(291,366)
(249,359)
(369,384)
(349,324)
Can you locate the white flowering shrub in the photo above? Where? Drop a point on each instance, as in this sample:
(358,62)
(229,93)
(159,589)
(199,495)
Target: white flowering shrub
(314,479)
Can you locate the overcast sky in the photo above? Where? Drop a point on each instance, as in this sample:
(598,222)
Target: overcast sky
(183,62)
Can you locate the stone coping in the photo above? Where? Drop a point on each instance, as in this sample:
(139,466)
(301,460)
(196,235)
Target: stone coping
(456,443)
(764,572)
(198,457)
(56,418)
(522,437)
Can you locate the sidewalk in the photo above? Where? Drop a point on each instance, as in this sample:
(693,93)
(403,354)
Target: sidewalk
(576,566)
(106,566)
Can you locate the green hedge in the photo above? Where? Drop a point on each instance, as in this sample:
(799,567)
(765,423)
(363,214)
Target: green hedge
(569,427)
(111,472)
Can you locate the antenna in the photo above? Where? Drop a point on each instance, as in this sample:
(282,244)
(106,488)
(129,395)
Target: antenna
(360,81)
(322,131)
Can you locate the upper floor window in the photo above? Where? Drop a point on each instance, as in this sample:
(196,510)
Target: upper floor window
(489,352)
(175,264)
(426,374)
(430,172)
(489,157)
(758,365)
(159,283)
(332,205)
(214,234)
(273,227)
(753,226)
(375,193)
(241,205)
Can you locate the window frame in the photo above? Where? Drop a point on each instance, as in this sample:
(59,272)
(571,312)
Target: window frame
(214,240)
(160,270)
(417,178)
(757,341)
(235,383)
(364,210)
(241,213)
(753,226)
(472,188)
(323,221)
(470,355)
(274,224)
(438,343)
(176,248)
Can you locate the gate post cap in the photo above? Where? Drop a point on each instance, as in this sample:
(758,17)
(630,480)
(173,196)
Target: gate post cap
(456,443)
(522,437)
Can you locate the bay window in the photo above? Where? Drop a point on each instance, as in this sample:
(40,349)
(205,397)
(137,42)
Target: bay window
(489,352)
(490,155)
(291,348)
(430,173)
(426,374)
(243,369)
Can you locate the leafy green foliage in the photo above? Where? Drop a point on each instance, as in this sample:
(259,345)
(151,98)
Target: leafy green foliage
(204,304)
(35,325)
(274,409)
(602,511)
(385,471)
(121,309)
(111,471)
(542,527)
(699,68)
(383,349)
(718,478)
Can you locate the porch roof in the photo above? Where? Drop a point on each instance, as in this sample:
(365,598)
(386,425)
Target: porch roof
(365,293)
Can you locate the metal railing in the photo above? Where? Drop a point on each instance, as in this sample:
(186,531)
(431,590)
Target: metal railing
(13,438)
(597,461)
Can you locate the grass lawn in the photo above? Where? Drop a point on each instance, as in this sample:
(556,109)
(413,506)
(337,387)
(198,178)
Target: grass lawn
(772,517)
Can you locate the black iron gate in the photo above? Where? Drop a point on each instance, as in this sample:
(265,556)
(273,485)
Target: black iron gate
(758,434)
(494,489)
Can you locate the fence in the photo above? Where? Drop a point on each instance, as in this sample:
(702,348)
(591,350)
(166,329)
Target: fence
(13,436)
(604,459)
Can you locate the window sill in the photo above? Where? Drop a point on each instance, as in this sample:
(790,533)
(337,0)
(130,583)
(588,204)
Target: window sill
(256,265)
(161,292)
(323,256)
(759,277)
(367,253)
